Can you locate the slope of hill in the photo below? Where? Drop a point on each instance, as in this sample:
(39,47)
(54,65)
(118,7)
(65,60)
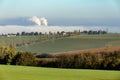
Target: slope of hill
(81,42)
(95,50)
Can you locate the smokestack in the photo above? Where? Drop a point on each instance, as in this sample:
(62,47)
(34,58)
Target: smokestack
(36,20)
(44,21)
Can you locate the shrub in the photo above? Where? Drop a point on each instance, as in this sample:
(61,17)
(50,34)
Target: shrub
(24,58)
(7,54)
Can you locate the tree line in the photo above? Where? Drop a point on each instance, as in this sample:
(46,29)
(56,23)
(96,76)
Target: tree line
(41,33)
(94,32)
(10,56)
(87,60)
(69,33)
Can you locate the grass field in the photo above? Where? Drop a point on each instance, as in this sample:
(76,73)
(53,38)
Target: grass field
(37,73)
(74,43)
(62,45)
(17,39)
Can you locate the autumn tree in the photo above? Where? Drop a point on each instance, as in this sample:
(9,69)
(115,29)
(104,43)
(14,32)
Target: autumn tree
(7,54)
(24,58)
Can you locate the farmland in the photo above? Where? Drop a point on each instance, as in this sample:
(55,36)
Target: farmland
(49,44)
(37,73)
(81,42)
(75,71)
(16,39)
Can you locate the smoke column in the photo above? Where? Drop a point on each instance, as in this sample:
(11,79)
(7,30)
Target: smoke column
(36,20)
(44,21)
(39,21)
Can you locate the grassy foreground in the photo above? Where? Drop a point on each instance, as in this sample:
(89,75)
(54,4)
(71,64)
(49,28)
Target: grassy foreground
(37,73)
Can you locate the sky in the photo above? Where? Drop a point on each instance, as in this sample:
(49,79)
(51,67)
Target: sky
(61,12)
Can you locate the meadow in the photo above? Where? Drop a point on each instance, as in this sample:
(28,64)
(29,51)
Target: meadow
(81,42)
(37,73)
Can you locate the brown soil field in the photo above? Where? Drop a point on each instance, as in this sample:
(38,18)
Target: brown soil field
(104,49)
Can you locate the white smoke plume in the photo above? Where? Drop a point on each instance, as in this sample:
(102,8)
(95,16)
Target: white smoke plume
(44,21)
(36,20)
(39,21)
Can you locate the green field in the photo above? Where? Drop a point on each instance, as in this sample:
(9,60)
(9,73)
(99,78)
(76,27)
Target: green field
(17,39)
(37,73)
(74,43)
(61,45)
